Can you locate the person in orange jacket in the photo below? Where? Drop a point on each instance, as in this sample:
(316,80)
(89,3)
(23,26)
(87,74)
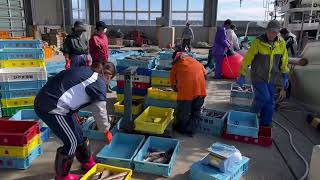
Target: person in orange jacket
(187,78)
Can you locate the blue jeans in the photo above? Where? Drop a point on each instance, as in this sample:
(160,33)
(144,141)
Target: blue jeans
(264,101)
(65,128)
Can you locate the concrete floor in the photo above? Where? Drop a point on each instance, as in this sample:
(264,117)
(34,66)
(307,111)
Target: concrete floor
(276,162)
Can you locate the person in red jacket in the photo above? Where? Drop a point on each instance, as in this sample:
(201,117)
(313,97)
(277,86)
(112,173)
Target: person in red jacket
(98,44)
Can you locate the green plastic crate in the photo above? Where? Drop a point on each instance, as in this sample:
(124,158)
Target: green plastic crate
(8,112)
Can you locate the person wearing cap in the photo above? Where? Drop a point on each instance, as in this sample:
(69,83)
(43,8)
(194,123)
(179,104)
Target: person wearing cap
(220,46)
(98,44)
(75,47)
(268,58)
(233,38)
(291,41)
(187,78)
(187,37)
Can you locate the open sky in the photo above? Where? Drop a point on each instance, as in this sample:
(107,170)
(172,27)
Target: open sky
(250,10)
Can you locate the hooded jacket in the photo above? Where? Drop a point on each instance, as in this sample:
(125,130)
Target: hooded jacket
(99,48)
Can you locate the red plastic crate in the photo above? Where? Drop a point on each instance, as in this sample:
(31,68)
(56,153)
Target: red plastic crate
(264,137)
(17,133)
(136,85)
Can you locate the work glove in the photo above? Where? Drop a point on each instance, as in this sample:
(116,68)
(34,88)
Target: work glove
(108,136)
(241,81)
(285,77)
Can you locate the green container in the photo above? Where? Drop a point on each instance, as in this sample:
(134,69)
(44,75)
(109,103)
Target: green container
(8,112)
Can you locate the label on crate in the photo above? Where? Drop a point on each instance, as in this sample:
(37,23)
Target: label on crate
(24,77)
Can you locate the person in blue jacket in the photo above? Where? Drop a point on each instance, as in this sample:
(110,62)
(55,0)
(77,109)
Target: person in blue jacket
(220,46)
(61,97)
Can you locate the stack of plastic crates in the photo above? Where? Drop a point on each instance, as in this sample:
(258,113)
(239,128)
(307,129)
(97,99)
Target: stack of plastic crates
(20,144)
(141,81)
(22,74)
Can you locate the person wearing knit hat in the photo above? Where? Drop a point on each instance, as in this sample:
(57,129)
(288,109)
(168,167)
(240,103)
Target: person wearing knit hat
(268,58)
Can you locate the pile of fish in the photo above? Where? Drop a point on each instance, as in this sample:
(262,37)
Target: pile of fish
(140,58)
(82,119)
(168,89)
(215,114)
(242,89)
(157,156)
(107,175)
(154,119)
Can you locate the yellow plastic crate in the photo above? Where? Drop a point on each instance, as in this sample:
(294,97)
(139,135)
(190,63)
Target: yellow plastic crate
(21,63)
(121,97)
(118,108)
(16,102)
(146,122)
(162,94)
(160,81)
(101,167)
(20,151)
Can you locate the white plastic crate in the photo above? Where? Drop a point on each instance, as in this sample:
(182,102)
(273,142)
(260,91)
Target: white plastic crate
(136,78)
(22,74)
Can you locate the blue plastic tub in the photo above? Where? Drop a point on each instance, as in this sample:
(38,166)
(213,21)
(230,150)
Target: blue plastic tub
(166,55)
(203,172)
(243,124)
(121,151)
(160,103)
(45,134)
(162,144)
(19,163)
(160,73)
(31,53)
(137,92)
(20,44)
(148,64)
(211,122)
(18,93)
(95,134)
(22,85)
(140,71)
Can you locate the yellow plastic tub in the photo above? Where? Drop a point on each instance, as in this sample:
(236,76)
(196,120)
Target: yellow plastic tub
(162,94)
(112,169)
(16,102)
(154,120)
(20,151)
(21,63)
(121,97)
(119,108)
(160,81)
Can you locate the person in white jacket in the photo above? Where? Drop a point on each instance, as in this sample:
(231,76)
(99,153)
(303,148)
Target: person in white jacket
(233,38)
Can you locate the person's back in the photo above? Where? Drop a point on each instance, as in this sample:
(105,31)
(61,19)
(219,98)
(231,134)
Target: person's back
(190,77)
(71,90)
(220,42)
(99,47)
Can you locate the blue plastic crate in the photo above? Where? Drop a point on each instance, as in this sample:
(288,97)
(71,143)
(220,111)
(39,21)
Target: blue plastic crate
(236,92)
(160,73)
(162,144)
(22,85)
(243,124)
(95,134)
(20,44)
(203,172)
(160,103)
(211,122)
(19,163)
(45,134)
(121,151)
(137,92)
(147,64)
(166,55)
(18,93)
(140,71)
(34,53)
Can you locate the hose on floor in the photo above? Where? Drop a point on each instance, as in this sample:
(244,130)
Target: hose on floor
(296,151)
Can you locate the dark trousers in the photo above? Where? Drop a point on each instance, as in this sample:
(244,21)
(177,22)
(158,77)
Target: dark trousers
(66,128)
(188,114)
(210,63)
(186,43)
(218,65)
(264,102)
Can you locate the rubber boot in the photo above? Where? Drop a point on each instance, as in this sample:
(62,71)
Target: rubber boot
(62,166)
(83,154)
